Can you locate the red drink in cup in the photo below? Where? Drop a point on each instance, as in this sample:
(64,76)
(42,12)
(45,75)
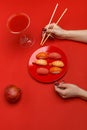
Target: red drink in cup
(19,24)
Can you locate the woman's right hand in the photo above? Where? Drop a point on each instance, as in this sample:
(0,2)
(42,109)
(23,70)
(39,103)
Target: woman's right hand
(55,31)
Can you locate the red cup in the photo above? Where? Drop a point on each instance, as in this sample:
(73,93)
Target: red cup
(19,24)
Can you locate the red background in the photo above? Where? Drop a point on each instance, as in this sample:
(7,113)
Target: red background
(40,107)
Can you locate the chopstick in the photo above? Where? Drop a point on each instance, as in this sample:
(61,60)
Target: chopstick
(49,22)
(61,16)
(56,24)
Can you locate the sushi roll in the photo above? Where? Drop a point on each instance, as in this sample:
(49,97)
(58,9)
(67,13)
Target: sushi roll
(55,70)
(54,55)
(42,71)
(57,63)
(42,55)
(40,62)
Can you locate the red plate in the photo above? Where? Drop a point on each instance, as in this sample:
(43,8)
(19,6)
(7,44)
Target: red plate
(49,77)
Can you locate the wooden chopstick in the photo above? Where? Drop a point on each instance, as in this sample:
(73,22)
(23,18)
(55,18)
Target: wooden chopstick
(56,24)
(49,22)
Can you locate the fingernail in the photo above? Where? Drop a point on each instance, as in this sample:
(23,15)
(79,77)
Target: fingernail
(44,29)
(56,83)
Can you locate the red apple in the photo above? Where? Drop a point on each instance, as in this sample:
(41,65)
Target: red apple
(12,93)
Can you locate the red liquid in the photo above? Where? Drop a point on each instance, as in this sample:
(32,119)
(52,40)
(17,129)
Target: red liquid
(18,23)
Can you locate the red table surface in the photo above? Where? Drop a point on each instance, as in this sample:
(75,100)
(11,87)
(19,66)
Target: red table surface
(40,108)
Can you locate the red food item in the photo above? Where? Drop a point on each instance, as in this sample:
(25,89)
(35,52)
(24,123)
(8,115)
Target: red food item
(42,55)
(42,71)
(12,93)
(55,70)
(54,55)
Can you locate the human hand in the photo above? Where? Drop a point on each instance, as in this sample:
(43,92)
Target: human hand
(66,90)
(54,30)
